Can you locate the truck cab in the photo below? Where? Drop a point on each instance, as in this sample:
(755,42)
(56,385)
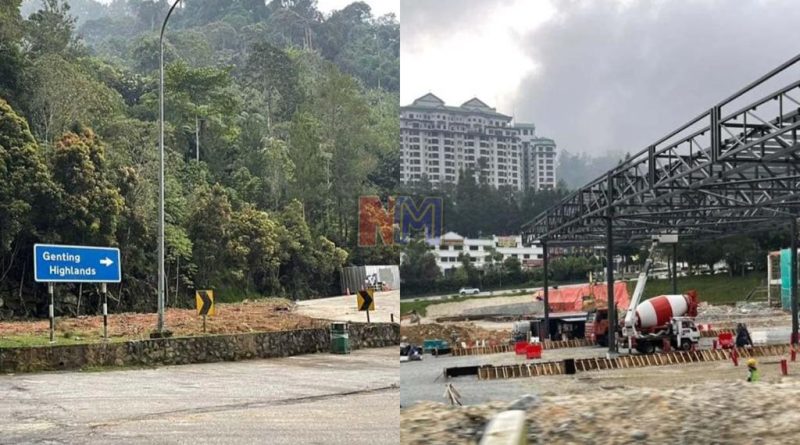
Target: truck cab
(685,333)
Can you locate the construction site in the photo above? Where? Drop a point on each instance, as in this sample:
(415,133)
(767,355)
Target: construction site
(606,362)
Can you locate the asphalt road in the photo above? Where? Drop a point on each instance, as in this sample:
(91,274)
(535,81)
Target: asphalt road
(309,399)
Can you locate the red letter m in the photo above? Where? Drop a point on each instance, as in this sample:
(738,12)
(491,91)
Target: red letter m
(373,219)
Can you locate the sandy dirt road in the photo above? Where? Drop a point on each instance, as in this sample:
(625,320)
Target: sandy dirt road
(387,304)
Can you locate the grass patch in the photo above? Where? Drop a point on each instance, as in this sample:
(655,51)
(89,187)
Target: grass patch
(21,341)
(714,289)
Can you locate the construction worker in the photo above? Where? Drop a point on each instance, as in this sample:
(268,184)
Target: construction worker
(743,336)
(752,370)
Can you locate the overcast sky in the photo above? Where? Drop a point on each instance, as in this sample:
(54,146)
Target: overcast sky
(379,7)
(595,75)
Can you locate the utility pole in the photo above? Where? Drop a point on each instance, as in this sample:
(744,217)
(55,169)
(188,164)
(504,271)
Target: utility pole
(161,277)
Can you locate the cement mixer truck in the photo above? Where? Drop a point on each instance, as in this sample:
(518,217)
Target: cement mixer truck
(648,325)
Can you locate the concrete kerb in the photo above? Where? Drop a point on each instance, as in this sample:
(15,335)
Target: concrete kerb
(185,350)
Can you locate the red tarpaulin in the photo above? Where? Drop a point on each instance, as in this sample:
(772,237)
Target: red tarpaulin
(565,299)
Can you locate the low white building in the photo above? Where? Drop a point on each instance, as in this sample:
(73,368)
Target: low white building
(453,244)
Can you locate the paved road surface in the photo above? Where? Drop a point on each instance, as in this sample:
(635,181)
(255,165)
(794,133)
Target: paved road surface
(345,308)
(310,399)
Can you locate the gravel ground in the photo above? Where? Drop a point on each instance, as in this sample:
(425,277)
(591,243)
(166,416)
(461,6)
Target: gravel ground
(649,405)
(462,307)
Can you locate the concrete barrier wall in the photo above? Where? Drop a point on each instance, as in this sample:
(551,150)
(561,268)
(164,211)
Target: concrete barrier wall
(185,350)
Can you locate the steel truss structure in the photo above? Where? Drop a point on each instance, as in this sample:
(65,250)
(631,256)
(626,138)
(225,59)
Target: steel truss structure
(733,169)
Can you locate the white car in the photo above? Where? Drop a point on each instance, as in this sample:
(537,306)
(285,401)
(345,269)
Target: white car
(469,291)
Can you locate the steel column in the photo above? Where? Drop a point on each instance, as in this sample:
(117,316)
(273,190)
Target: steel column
(612,307)
(545,260)
(675,268)
(794,281)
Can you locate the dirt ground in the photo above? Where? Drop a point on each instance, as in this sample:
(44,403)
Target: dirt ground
(272,314)
(463,332)
(708,403)
(457,308)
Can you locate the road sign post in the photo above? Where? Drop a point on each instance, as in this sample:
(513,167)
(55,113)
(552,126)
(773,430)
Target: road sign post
(205,304)
(104,291)
(366,300)
(53,263)
(52,312)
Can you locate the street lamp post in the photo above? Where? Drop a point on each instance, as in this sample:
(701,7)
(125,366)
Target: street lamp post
(161,278)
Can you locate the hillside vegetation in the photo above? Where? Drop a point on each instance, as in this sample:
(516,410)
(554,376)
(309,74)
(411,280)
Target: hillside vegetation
(295,113)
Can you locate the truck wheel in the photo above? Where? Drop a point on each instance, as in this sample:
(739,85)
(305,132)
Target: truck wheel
(686,345)
(602,340)
(646,347)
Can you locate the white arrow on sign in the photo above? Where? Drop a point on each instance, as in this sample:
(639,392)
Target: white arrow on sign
(106,261)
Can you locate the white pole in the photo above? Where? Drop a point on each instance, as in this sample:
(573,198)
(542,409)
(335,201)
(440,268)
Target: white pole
(104,291)
(52,312)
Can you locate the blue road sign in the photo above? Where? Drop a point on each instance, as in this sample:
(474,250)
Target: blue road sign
(76,264)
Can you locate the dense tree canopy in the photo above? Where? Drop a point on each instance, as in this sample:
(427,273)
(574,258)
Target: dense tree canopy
(291,112)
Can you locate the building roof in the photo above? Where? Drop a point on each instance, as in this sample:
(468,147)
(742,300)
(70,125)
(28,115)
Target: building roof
(452,236)
(476,103)
(430,100)
(524,125)
(473,106)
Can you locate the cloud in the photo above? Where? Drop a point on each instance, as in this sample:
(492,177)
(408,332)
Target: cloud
(618,76)
(465,48)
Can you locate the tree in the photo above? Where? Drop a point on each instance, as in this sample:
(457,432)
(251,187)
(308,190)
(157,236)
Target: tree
(311,174)
(271,71)
(26,189)
(89,205)
(64,96)
(12,61)
(311,260)
(513,269)
(209,228)
(418,269)
(51,30)
(254,245)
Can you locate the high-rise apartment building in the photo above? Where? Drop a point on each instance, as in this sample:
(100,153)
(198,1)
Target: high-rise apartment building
(538,158)
(439,142)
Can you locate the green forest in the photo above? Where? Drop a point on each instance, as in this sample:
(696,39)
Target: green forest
(277,117)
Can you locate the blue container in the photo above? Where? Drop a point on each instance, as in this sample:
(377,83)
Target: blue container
(431,345)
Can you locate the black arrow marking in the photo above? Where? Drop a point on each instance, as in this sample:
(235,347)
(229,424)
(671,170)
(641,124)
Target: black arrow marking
(206,306)
(367,300)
